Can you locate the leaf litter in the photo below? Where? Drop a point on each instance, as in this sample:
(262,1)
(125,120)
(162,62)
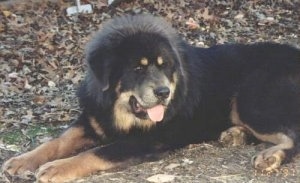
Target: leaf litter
(42,64)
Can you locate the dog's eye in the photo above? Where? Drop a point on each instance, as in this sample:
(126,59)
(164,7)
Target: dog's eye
(164,65)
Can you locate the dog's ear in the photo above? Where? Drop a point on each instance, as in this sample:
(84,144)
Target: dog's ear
(99,64)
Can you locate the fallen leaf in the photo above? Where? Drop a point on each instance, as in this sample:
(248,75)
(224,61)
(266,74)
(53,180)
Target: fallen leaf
(192,24)
(239,16)
(187,161)
(206,16)
(12,147)
(6,13)
(172,166)
(159,178)
(44,139)
(39,100)
(13,75)
(27,85)
(51,84)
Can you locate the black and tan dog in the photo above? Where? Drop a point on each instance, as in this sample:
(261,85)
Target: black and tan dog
(147,91)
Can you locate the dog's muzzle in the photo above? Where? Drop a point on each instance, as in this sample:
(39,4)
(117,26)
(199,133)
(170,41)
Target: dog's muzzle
(154,111)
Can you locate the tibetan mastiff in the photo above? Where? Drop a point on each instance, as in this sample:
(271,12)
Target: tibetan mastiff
(147,91)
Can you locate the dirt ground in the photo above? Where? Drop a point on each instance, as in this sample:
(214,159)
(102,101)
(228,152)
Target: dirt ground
(203,163)
(42,64)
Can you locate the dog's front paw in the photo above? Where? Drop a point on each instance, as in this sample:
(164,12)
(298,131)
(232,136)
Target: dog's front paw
(234,136)
(22,166)
(58,171)
(268,160)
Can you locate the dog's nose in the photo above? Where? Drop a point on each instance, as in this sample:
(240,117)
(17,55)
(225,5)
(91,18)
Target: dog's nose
(162,92)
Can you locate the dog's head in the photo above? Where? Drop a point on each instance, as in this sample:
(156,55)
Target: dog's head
(139,63)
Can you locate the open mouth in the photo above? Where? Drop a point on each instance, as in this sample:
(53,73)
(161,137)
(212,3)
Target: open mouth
(155,113)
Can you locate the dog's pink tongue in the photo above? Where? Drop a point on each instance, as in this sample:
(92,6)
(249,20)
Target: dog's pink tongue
(156,113)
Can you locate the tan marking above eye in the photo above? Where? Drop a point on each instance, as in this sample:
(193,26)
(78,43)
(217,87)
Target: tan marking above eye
(160,60)
(144,61)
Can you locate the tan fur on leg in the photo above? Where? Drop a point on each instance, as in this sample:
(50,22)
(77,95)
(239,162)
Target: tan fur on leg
(71,168)
(270,158)
(70,141)
(234,136)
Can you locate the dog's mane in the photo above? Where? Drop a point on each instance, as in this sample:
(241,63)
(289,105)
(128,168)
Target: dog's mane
(115,30)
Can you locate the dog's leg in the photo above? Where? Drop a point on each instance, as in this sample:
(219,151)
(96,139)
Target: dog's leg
(100,158)
(236,135)
(67,169)
(271,158)
(71,140)
(268,159)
